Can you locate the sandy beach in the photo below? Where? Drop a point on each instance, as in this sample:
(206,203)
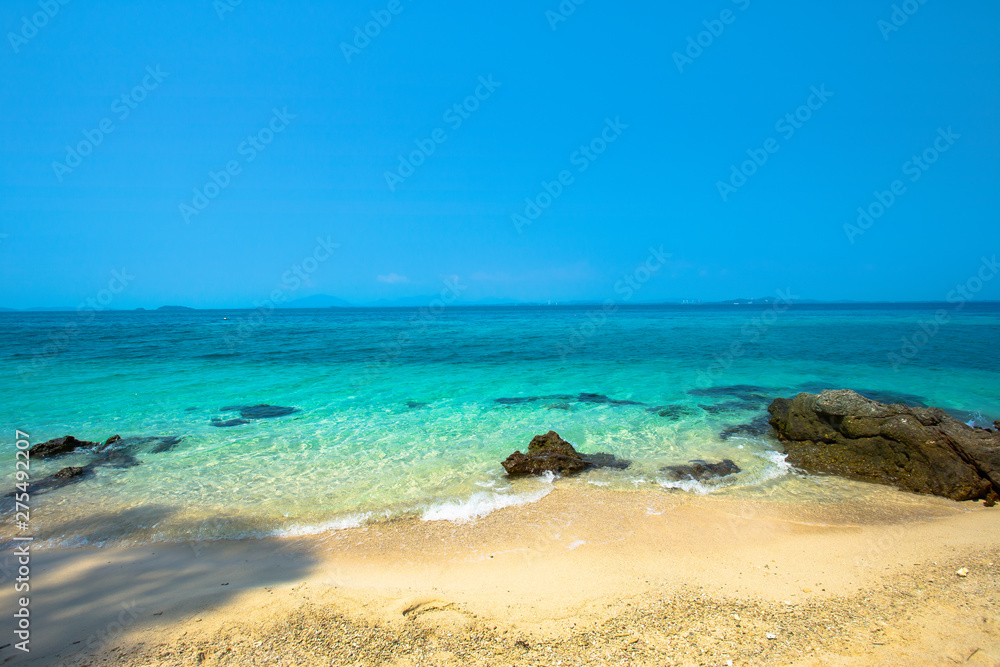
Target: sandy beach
(581,577)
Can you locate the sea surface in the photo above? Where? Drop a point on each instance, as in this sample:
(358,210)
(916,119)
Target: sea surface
(408,412)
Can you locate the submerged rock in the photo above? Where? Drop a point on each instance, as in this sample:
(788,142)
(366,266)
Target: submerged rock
(599,399)
(115,452)
(699,470)
(550,453)
(59,446)
(757,428)
(605,460)
(673,412)
(65,477)
(262,411)
(733,406)
(912,448)
(225,423)
(741,390)
(160,443)
(416,405)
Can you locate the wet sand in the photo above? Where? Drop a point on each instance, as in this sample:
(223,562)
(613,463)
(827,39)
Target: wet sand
(584,576)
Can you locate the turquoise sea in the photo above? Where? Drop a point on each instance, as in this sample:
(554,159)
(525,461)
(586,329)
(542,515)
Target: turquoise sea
(396,411)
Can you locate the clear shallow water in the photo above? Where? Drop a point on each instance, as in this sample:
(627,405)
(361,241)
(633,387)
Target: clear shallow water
(397,412)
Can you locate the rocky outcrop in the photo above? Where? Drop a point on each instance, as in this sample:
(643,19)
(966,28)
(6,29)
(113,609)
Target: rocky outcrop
(700,470)
(58,447)
(917,449)
(550,453)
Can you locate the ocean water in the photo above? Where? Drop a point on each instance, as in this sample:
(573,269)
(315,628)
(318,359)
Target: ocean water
(396,410)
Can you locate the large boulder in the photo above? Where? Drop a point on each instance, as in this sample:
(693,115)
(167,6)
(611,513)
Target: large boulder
(550,453)
(912,448)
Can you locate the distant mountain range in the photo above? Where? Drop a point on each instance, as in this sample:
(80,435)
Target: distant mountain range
(323,301)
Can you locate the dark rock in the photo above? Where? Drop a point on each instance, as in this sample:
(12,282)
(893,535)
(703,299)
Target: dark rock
(64,477)
(516,400)
(732,390)
(111,454)
(700,470)
(415,405)
(673,412)
(226,423)
(550,453)
(70,472)
(165,444)
(732,406)
(154,444)
(259,411)
(605,460)
(115,459)
(913,448)
(58,447)
(599,399)
(758,428)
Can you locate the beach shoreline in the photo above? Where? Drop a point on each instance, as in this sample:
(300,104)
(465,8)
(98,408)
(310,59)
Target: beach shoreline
(579,565)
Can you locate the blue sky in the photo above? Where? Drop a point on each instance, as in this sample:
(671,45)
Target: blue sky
(207,86)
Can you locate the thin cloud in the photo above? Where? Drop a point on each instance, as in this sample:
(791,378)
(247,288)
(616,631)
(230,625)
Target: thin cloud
(393,279)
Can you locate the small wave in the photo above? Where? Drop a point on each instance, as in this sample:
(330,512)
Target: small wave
(977,420)
(689,485)
(779,466)
(480,504)
(775,467)
(299,530)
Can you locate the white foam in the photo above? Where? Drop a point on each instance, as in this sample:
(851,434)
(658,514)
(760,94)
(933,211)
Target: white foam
(779,466)
(298,530)
(689,485)
(577,543)
(480,504)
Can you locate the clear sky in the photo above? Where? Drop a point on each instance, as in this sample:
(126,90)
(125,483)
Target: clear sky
(310,116)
